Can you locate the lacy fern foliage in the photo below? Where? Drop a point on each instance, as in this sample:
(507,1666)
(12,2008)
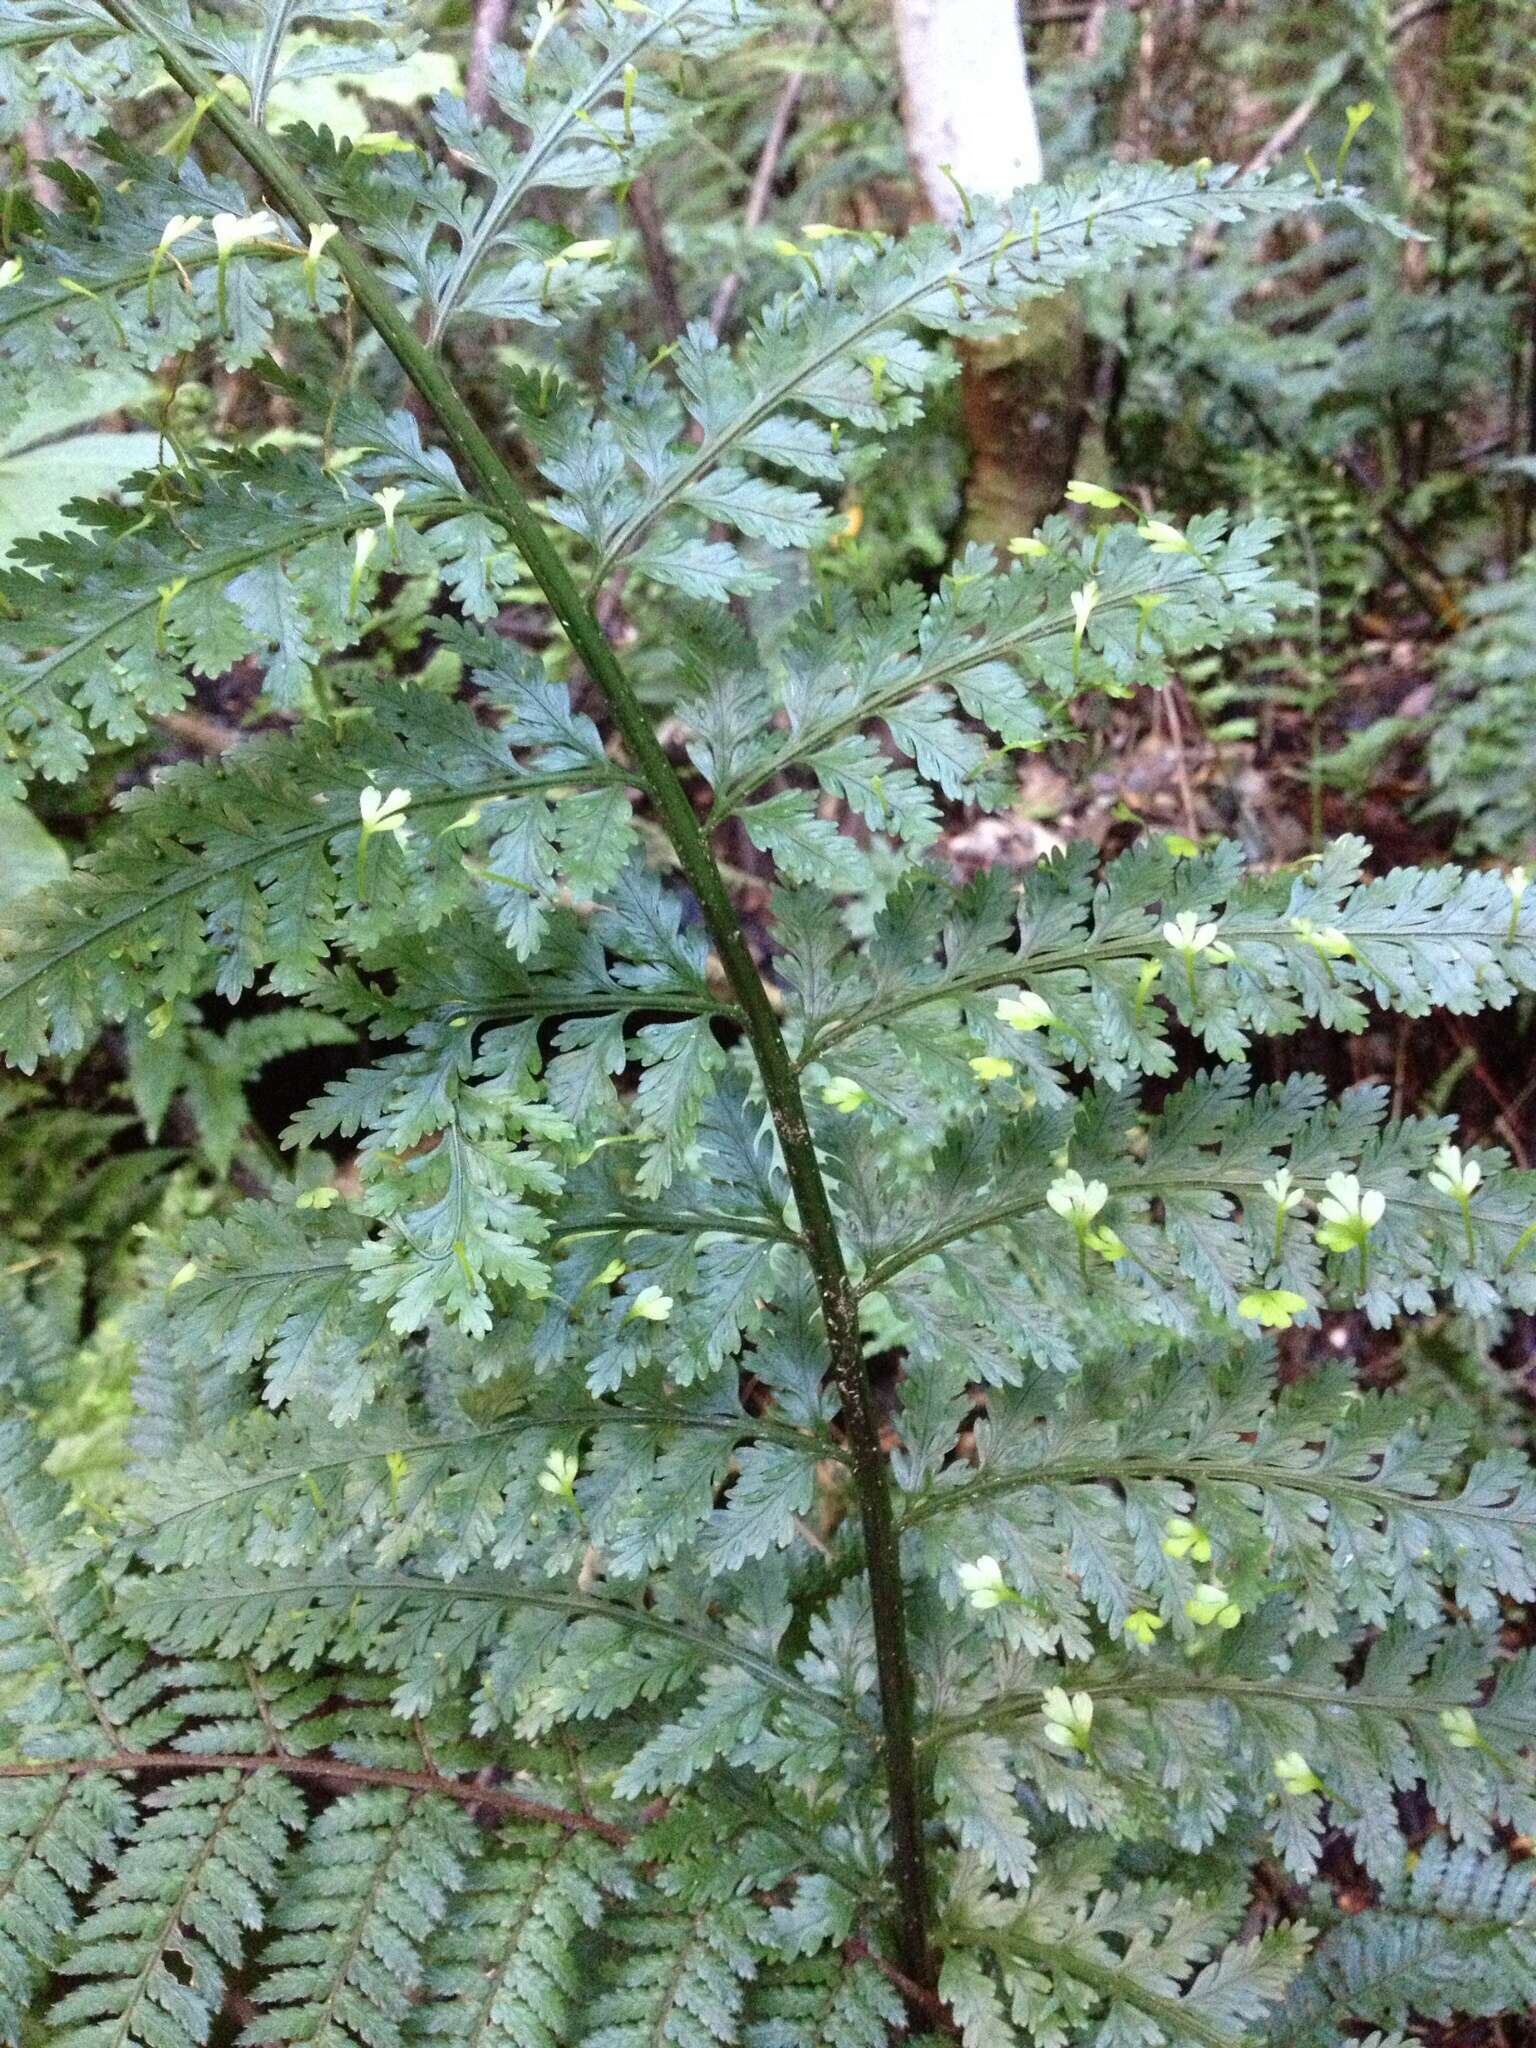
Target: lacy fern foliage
(728,1487)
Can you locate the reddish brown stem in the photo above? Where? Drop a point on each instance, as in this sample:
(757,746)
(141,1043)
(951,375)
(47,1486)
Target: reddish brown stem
(918,1996)
(127,1763)
(779,126)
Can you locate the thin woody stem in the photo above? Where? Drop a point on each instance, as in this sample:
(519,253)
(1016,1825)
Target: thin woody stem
(285,187)
(126,1763)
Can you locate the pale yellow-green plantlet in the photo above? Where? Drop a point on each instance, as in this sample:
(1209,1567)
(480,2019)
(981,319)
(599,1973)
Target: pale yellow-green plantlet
(984,1586)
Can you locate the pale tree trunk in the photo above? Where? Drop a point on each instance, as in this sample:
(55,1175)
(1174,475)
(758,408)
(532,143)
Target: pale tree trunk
(966,97)
(970,123)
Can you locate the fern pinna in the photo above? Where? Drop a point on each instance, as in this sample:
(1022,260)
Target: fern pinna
(539,1613)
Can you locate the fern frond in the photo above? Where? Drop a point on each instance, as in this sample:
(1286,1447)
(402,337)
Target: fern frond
(1141,1963)
(268,578)
(1204,1160)
(65,61)
(1322,943)
(1215,1724)
(436,1634)
(56,1834)
(69,1683)
(510,1967)
(849,347)
(261,44)
(1347,1497)
(96,288)
(998,647)
(825,2001)
(174,1920)
(592,98)
(1489,723)
(293,1494)
(1456,1935)
(676,1977)
(256,865)
(371,1883)
(733,1495)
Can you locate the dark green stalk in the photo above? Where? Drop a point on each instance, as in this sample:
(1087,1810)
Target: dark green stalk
(839,1303)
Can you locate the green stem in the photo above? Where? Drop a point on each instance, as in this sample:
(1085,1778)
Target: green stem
(1087,952)
(1466,1218)
(1233,1181)
(839,1302)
